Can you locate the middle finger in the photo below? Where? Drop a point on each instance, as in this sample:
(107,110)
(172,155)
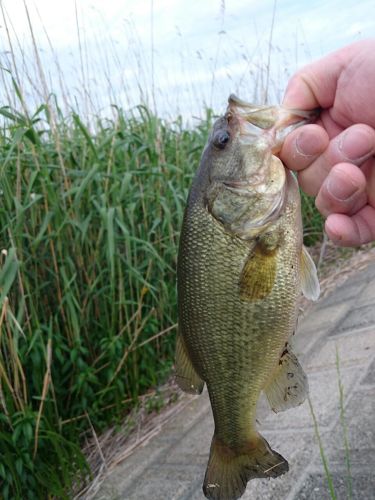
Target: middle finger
(353,145)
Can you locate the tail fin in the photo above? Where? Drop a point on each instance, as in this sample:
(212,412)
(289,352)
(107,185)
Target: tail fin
(228,472)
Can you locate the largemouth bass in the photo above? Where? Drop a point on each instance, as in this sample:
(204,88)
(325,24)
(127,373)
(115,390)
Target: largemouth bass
(241,269)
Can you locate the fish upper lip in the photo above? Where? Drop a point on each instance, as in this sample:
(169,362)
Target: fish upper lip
(257,119)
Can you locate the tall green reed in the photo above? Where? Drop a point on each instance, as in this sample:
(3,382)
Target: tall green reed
(89,233)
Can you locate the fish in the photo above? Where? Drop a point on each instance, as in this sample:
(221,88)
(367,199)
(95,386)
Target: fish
(241,270)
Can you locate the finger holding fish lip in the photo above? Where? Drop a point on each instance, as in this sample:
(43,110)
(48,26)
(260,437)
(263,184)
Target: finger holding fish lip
(302,147)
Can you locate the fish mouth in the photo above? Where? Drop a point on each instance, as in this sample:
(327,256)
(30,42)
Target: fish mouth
(271,122)
(236,184)
(244,186)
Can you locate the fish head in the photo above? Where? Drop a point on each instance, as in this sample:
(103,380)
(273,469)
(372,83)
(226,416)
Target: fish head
(246,183)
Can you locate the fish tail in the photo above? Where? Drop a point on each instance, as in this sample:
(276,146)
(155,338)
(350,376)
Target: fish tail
(228,471)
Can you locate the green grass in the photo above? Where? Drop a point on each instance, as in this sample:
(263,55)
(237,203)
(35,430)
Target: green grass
(312,220)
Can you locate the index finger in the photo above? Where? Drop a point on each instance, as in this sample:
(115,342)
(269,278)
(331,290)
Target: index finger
(315,84)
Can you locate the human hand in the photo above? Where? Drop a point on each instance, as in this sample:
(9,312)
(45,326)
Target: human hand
(334,158)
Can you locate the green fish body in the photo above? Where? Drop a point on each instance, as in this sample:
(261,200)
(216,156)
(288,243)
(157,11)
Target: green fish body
(241,269)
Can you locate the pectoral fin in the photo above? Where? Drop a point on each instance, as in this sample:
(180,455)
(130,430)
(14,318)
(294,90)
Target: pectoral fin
(289,386)
(258,274)
(186,376)
(309,276)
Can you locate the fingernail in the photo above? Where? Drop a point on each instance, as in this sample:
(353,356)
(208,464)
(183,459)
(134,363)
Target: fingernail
(308,144)
(339,187)
(335,237)
(356,144)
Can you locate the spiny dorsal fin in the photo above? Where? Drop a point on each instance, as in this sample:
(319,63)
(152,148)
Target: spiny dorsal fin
(309,276)
(186,376)
(289,386)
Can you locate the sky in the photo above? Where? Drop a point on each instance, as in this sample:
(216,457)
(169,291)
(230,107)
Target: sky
(176,56)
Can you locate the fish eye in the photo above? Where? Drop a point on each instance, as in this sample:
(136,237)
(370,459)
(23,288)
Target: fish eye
(221,139)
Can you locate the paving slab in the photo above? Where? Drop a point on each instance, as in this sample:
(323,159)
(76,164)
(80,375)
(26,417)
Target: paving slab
(315,487)
(360,421)
(370,374)
(347,292)
(318,322)
(350,348)
(360,317)
(172,465)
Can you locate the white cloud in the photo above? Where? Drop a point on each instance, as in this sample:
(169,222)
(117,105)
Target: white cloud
(116,37)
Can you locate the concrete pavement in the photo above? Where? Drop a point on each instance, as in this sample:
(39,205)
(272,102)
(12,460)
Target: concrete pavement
(341,326)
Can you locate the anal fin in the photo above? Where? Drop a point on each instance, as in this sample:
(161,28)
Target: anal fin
(289,386)
(186,376)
